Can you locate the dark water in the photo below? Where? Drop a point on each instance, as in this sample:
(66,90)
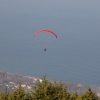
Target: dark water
(74,56)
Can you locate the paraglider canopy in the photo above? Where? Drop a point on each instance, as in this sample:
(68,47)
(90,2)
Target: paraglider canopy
(49,31)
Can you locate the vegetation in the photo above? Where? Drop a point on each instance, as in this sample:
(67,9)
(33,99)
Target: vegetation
(47,91)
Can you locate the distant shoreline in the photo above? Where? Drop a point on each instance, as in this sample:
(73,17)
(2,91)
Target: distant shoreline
(12,81)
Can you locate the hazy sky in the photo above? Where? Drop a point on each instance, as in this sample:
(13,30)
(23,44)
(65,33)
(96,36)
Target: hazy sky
(77,15)
(73,56)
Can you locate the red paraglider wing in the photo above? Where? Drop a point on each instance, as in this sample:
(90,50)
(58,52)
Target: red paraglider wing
(51,32)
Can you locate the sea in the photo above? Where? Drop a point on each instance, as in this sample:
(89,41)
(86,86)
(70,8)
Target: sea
(74,56)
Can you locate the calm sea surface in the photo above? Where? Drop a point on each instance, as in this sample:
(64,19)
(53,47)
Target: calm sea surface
(74,56)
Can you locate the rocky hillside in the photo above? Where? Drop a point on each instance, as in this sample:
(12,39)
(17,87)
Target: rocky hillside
(11,81)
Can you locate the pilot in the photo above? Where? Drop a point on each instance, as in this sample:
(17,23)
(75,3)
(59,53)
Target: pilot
(45,49)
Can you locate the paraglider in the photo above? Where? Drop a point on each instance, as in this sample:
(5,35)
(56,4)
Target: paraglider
(48,31)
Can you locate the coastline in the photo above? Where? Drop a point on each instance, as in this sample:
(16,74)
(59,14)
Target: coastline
(12,81)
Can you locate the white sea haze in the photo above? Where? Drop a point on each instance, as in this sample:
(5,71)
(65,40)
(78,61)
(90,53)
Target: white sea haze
(74,56)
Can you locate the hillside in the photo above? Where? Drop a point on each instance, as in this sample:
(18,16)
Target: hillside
(12,81)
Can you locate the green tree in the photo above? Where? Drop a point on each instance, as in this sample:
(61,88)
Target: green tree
(89,95)
(4,95)
(74,96)
(50,91)
(19,94)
